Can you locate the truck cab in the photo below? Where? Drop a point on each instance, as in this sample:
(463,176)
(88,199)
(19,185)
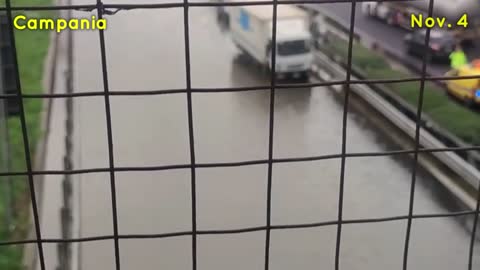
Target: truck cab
(251,31)
(294,55)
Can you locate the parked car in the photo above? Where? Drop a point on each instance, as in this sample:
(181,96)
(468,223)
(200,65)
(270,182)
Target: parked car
(442,43)
(467,90)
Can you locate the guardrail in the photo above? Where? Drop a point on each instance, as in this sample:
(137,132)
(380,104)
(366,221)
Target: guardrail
(341,28)
(465,170)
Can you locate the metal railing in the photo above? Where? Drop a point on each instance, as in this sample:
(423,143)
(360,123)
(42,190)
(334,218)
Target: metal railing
(110,9)
(6,185)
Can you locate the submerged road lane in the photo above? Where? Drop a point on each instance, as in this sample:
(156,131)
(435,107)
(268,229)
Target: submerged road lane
(145,51)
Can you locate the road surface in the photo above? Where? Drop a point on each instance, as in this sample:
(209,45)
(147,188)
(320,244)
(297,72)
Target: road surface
(145,51)
(387,36)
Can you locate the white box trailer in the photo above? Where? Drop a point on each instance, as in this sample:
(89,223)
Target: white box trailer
(251,31)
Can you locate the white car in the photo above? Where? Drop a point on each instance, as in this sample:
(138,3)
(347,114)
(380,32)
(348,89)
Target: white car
(378,10)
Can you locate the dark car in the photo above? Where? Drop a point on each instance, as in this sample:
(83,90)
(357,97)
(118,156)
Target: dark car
(442,43)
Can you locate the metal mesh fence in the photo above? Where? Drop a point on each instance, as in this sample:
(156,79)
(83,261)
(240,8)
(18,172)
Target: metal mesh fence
(111,9)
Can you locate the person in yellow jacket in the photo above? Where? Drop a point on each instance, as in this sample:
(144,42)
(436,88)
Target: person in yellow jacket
(458,58)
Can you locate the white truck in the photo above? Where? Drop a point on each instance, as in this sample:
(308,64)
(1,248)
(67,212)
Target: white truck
(399,13)
(251,31)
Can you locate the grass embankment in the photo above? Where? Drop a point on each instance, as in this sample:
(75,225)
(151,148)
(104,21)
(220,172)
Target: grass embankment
(32,48)
(450,115)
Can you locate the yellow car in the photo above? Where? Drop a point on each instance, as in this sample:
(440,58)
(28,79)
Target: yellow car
(467,90)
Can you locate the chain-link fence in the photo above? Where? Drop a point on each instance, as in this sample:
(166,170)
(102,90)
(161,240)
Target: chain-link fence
(6,187)
(110,9)
(6,109)
(9,216)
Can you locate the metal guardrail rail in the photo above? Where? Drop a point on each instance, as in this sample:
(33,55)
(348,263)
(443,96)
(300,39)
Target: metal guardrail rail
(5,163)
(399,119)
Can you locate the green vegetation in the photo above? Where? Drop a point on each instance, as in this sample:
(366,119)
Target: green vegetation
(32,48)
(450,115)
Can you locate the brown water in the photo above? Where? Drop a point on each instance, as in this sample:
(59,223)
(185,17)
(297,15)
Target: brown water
(145,51)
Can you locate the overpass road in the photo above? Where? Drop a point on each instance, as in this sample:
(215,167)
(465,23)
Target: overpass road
(386,36)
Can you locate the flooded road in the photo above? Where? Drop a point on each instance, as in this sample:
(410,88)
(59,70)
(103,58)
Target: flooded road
(145,51)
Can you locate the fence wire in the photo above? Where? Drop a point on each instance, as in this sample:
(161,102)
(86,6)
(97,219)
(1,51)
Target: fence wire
(111,9)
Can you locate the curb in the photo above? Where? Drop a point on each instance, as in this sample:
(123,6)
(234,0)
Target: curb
(30,251)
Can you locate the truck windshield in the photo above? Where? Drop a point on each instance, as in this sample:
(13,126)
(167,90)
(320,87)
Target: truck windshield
(293,47)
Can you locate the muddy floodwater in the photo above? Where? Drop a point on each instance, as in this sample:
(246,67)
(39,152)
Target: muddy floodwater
(145,51)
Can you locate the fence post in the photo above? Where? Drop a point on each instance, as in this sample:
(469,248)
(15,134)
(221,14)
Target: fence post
(5,163)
